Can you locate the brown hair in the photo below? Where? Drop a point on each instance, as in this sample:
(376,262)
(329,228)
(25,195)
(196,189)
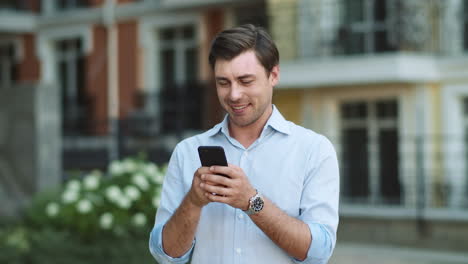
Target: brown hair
(230,43)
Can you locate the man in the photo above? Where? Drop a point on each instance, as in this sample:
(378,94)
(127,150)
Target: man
(279,203)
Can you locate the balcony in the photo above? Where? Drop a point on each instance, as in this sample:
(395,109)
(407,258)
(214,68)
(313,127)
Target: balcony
(344,28)
(336,42)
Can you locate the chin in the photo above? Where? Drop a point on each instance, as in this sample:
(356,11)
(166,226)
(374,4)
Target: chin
(243,122)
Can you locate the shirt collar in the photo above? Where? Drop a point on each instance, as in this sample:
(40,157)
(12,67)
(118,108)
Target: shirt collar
(276,121)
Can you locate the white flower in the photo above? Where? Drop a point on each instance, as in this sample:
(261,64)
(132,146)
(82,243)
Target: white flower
(139,219)
(156,201)
(113,193)
(70,196)
(140,181)
(73,185)
(158,178)
(91,181)
(150,170)
(106,220)
(84,206)
(116,168)
(129,165)
(52,209)
(132,192)
(123,202)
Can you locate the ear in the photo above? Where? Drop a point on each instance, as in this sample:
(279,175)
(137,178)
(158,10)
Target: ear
(274,76)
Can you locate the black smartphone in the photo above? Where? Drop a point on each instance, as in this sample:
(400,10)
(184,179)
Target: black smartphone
(212,155)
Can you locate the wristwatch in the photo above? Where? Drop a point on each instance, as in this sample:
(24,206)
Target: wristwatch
(256,203)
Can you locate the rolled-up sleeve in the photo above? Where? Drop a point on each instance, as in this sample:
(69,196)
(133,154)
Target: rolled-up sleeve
(319,204)
(171,197)
(157,250)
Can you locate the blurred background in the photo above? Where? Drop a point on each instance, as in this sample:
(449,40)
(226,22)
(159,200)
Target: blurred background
(84,83)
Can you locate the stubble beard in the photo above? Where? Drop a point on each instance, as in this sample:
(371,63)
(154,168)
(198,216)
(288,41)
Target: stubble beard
(256,115)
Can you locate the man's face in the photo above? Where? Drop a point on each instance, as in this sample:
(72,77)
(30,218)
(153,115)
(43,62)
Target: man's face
(244,88)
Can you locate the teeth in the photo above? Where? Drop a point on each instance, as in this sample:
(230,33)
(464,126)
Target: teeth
(239,107)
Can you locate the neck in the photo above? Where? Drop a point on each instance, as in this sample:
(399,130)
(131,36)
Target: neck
(246,135)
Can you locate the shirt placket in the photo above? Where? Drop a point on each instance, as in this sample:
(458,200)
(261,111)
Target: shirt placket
(240,237)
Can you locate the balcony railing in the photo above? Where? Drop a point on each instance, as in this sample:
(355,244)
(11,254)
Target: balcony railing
(409,172)
(71,4)
(17,5)
(160,121)
(324,28)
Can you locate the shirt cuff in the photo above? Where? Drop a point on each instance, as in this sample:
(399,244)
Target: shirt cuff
(157,250)
(320,247)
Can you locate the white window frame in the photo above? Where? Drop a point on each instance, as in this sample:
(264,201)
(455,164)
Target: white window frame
(70,57)
(331,126)
(179,45)
(372,124)
(464,182)
(150,44)
(369,26)
(5,66)
(46,47)
(455,127)
(464,24)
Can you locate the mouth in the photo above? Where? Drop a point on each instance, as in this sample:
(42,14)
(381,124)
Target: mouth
(238,109)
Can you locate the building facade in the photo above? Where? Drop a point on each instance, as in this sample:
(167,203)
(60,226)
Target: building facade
(387,82)
(141,62)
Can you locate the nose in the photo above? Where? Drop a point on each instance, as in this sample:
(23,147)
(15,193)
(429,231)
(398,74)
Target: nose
(235,93)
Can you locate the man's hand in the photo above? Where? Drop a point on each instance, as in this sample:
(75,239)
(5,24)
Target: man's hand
(234,190)
(196,195)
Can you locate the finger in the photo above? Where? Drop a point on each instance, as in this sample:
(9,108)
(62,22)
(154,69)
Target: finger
(203,170)
(213,197)
(210,183)
(217,179)
(220,190)
(228,171)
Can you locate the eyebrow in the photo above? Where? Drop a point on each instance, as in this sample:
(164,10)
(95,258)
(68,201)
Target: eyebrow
(246,76)
(221,79)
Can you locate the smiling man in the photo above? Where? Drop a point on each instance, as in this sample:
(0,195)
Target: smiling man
(279,201)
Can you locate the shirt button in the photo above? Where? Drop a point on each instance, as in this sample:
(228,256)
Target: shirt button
(241,216)
(238,250)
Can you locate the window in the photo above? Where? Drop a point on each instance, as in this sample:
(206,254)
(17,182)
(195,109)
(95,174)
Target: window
(252,14)
(465,24)
(13,4)
(365,28)
(70,69)
(71,4)
(180,93)
(8,66)
(370,154)
(465,127)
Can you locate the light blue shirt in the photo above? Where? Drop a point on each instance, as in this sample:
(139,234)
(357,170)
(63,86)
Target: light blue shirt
(294,167)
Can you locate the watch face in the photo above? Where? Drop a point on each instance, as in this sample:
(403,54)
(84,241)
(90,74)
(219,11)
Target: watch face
(257,204)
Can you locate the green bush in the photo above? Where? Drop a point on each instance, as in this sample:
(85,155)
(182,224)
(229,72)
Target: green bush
(52,246)
(96,218)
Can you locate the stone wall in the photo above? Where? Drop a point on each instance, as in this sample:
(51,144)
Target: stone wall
(30,144)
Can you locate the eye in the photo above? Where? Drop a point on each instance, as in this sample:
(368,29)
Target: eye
(222,82)
(246,82)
